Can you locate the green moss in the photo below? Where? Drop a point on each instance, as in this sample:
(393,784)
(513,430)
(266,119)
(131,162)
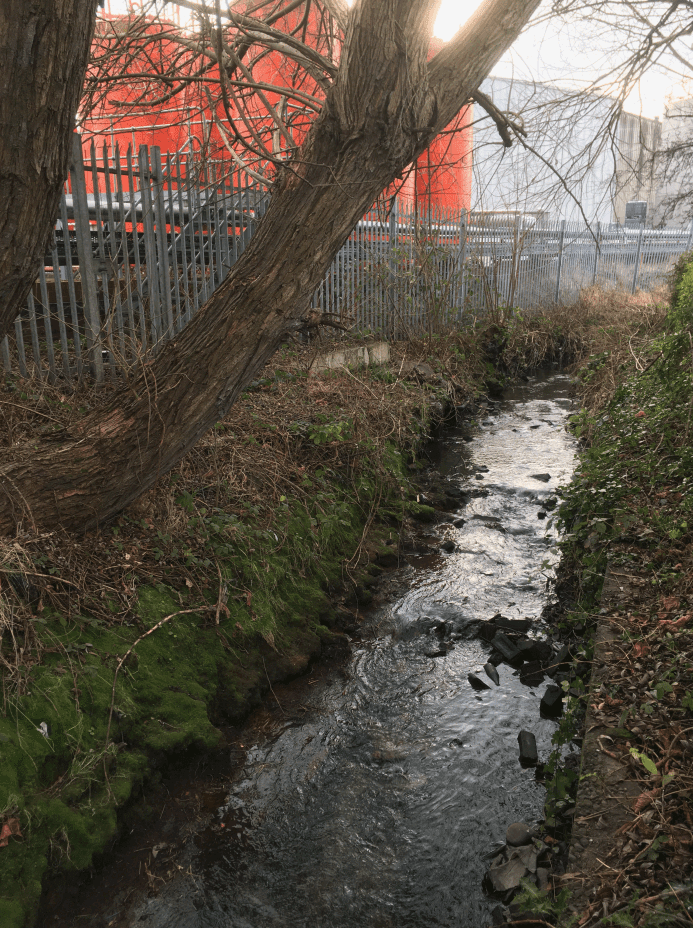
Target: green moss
(12,914)
(66,788)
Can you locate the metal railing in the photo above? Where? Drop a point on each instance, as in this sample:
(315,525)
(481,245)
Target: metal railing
(407,273)
(143,241)
(140,244)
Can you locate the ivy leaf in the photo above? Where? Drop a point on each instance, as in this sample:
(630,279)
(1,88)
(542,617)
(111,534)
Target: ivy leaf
(647,762)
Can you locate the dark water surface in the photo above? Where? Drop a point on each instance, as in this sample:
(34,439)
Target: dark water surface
(376,811)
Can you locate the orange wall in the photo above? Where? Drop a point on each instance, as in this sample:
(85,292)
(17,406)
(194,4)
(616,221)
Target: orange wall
(441,179)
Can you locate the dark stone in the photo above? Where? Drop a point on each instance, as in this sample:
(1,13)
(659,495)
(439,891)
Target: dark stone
(435,650)
(458,523)
(448,546)
(532,673)
(541,514)
(526,647)
(507,876)
(518,835)
(387,558)
(464,626)
(423,625)
(550,503)
(498,915)
(506,648)
(455,492)
(477,683)
(487,631)
(539,651)
(552,701)
(513,625)
(543,477)
(528,749)
(558,660)
(492,673)
(482,469)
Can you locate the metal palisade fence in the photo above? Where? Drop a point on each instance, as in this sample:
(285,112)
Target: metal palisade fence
(141,242)
(406,272)
(144,239)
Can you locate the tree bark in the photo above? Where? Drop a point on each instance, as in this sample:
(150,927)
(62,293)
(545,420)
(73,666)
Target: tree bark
(44,49)
(385,107)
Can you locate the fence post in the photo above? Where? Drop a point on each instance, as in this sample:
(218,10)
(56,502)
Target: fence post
(597,249)
(690,237)
(463,261)
(151,261)
(90,297)
(637,258)
(162,239)
(392,246)
(561,237)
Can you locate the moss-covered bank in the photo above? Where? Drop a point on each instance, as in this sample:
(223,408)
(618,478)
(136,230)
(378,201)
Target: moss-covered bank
(77,742)
(130,646)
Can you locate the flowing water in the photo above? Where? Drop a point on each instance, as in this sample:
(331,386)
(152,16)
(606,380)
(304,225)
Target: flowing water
(378,809)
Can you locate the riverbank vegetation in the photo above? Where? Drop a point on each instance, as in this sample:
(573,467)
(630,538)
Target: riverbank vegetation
(628,514)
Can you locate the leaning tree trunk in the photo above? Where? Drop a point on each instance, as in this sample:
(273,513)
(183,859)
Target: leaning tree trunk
(44,49)
(385,107)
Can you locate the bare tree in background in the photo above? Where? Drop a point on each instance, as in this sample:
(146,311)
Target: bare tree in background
(251,85)
(636,41)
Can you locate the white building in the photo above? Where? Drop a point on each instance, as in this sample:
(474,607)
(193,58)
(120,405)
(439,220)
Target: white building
(579,162)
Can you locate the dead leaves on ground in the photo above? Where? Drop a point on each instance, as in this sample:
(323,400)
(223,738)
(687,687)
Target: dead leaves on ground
(10,828)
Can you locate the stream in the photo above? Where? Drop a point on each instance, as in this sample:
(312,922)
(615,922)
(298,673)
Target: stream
(377,806)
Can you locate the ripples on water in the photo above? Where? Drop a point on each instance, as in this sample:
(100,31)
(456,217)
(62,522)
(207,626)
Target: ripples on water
(376,812)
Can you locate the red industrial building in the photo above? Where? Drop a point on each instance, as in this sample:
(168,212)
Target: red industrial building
(133,111)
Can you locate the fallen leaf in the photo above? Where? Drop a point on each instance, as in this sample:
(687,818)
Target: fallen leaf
(644,799)
(677,623)
(9,828)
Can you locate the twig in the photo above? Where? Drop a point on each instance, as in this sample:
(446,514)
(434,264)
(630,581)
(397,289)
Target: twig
(223,592)
(270,686)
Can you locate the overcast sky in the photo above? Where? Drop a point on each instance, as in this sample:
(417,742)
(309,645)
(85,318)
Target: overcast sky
(551,52)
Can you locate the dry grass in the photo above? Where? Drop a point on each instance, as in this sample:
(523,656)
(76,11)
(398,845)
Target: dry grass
(285,428)
(621,328)
(283,431)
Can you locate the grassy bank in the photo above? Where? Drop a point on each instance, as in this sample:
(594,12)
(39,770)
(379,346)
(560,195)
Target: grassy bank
(629,513)
(127,646)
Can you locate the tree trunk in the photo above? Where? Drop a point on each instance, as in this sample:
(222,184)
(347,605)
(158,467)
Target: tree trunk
(44,49)
(386,105)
